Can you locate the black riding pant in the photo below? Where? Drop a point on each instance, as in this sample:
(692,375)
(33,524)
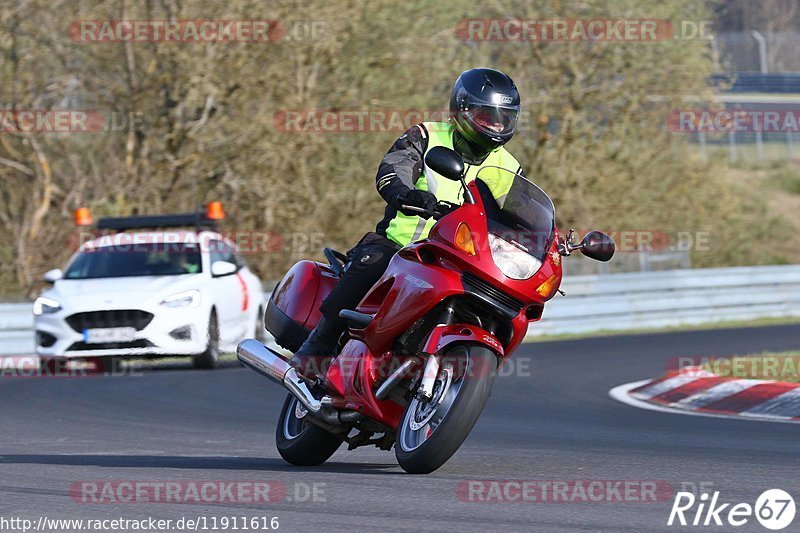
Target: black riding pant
(368,261)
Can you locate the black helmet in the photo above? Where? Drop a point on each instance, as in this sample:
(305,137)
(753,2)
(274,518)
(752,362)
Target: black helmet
(484,107)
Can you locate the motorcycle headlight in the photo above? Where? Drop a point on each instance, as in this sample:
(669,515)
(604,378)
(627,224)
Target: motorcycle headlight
(512,262)
(183,299)
(45,306)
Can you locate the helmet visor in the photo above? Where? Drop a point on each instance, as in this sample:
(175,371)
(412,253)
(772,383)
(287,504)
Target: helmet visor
(493,120)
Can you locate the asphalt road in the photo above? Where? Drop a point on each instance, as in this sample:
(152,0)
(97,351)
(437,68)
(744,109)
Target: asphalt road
(556,424)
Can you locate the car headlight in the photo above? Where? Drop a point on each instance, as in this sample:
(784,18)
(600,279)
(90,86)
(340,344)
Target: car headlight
(45,306)
(512,262)
(183,299)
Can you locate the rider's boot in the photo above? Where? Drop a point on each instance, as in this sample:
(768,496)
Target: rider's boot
(314,356)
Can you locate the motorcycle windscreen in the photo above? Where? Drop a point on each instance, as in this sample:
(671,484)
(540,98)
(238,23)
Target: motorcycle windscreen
(517,210)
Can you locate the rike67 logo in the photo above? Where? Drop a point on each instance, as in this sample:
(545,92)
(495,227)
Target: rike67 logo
(774,509)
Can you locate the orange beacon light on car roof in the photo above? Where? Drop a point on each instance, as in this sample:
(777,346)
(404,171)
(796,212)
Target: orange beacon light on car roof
(82,217)
(214,211)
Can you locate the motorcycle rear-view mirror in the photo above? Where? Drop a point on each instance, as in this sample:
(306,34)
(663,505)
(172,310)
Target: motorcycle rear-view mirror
(597,245)
(445,162)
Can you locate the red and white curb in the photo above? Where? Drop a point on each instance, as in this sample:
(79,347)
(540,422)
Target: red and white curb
(696,392)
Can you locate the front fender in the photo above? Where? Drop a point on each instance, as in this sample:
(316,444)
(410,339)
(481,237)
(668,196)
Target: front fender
(443,336)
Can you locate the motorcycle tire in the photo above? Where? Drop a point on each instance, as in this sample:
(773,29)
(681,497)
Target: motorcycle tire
(430,433)
(299,442)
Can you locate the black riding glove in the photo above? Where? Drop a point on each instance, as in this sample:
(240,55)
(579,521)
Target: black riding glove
(416,198)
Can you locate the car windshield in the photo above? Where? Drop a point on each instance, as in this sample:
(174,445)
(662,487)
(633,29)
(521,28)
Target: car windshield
(518,211)
(150,259)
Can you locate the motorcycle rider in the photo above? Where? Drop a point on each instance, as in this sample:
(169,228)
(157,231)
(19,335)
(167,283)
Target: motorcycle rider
(484,107)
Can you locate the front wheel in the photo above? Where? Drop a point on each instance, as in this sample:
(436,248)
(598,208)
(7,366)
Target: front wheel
(431,432)
(298,441)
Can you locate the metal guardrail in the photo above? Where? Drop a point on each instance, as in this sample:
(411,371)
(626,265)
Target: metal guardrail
(752,82)
(16,329)
(600,302)
(671,298)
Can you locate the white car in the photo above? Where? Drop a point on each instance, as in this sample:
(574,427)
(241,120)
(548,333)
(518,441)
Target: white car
(155,293)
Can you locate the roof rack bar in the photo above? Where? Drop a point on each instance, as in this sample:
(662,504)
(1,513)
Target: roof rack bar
(198,220)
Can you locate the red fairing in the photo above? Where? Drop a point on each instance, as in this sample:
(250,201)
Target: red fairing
(482,263)
(352,378)
(442,336)
(417,279)
(301,291)
(406,292)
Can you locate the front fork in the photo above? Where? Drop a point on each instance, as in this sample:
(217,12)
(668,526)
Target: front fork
(431,371)
(443,336)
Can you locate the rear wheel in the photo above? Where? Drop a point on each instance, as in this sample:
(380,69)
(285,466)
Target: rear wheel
(431,432)
(298,441)
(210,357)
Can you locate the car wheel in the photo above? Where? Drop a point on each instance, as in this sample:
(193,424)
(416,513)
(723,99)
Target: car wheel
(210,357)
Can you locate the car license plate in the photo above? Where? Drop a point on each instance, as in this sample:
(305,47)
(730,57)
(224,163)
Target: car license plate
(103,335)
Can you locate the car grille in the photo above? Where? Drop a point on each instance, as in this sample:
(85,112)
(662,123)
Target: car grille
(122,318)
(85,347)
(485,291)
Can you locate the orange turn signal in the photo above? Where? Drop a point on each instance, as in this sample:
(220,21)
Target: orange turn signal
(548,288)
(214,211)
(82,217)
(464,240)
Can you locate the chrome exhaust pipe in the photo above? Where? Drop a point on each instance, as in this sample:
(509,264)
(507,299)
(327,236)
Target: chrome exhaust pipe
(387,386)
(268,363)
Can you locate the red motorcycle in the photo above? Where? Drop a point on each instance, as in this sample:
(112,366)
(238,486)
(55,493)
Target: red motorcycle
(418,361)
